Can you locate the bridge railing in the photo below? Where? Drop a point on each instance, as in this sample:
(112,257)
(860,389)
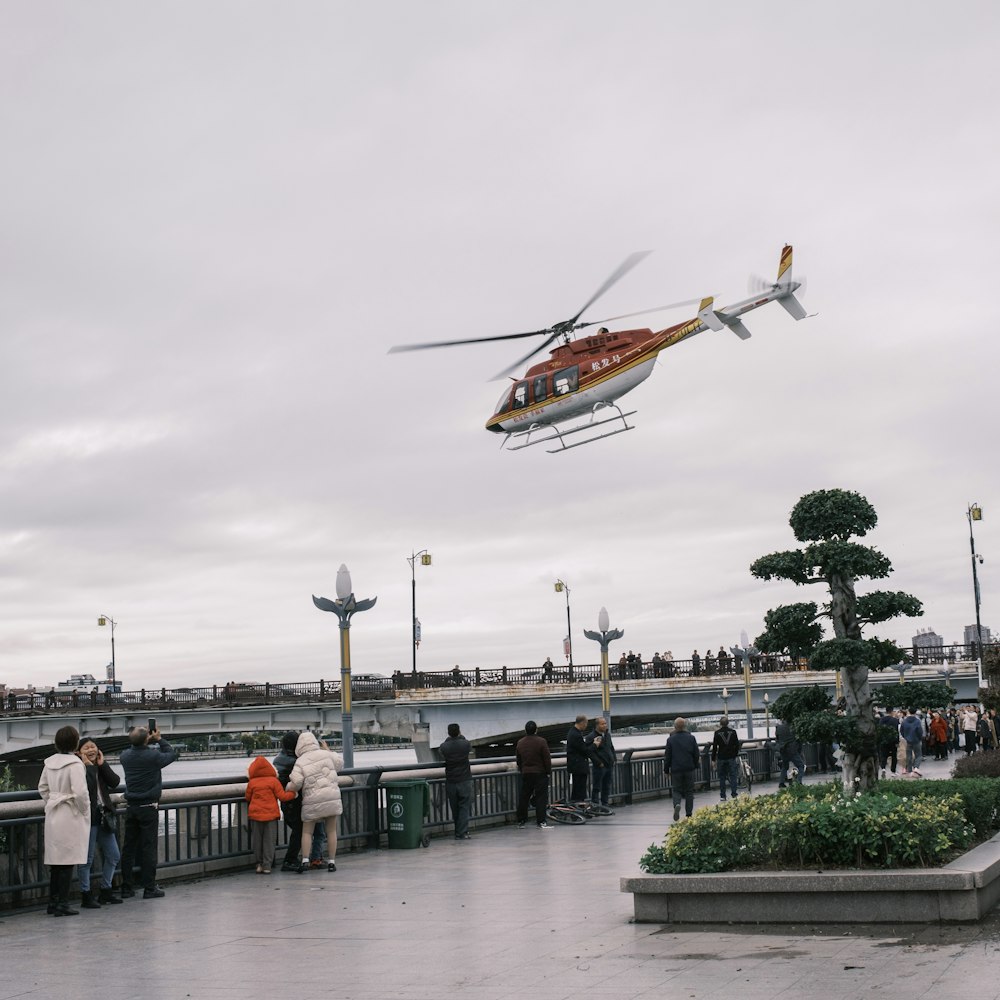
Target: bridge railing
(203,825)
(371,686)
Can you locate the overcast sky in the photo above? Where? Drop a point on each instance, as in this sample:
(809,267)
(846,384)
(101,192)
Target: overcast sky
(218,217)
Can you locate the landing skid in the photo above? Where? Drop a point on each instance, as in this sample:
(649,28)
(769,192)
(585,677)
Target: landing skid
(552,432)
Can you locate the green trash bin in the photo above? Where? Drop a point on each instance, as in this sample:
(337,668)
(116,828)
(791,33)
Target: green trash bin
(407,803)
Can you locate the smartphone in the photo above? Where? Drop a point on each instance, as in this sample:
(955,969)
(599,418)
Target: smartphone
(152,725)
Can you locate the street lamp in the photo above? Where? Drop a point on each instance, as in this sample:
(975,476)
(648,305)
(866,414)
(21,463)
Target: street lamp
(344,608)
(947,674)
(561,586)
(767,715)
(605,635)
(975,513)
(108,620)
(725,696)
(744,651)
(425,560)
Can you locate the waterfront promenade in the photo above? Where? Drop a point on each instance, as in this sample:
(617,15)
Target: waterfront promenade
(507,915)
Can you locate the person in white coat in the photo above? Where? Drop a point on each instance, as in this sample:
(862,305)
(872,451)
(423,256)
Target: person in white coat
(315,777)
(63,788)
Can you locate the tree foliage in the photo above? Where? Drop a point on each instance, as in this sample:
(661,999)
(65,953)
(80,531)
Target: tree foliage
(792,629)
(914,694)
(832,514)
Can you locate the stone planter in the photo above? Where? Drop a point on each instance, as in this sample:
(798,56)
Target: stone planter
(964,890)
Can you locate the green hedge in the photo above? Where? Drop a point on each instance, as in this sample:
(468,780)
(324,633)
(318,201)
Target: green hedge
(901,824)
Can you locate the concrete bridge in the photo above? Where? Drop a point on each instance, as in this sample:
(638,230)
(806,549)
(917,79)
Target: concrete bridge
(491,717)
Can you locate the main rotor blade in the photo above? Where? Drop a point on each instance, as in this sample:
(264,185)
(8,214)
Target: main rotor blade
(398,348)
(520,361)
(626,265)
(641,312)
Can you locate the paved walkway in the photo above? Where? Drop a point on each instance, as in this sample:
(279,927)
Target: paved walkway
(507,915)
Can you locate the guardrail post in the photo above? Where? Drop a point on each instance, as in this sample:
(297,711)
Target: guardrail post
(267,690)
(371,797)
(322,689)
(503,674)
(629,783)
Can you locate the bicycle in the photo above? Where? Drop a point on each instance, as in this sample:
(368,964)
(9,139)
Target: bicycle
(744,773)
(565,812)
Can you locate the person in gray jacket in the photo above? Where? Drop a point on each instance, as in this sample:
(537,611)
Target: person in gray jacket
(912,730)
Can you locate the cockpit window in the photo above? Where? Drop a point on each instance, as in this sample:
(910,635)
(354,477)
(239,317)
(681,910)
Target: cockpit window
(566,380)
(539,389)
(504,403)
(520,400)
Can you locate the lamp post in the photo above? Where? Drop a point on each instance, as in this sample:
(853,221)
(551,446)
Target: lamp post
(901,669)
(767,715)
(108,620)
(975,513)
(561,586)
(744,652)
(605,636)
(425,560)
(344,608)
(947,674)
(725,696)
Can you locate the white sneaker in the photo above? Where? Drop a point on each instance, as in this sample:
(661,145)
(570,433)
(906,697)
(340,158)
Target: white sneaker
(544,826)
(882,775)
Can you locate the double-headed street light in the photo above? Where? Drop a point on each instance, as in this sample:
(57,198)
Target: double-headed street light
(425,560)
(562,586)
(725,696)
(605,636)
(344,608)
(108,620)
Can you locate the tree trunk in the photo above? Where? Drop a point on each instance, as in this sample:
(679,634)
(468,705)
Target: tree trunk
(844,607)
(860,769)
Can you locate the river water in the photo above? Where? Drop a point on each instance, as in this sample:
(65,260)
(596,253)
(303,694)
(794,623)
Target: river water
(236,767)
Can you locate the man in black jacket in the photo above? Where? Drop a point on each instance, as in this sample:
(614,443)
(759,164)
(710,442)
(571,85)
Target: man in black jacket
(458,779)
(602,752)
(534,761)
(789,752)
(725,750)
(680,760)
(143,762)
(578,758)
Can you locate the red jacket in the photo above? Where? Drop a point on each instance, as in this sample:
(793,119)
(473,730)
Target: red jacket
(264,791)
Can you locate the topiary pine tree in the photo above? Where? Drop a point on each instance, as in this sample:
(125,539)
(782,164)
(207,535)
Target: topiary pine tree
(826,521)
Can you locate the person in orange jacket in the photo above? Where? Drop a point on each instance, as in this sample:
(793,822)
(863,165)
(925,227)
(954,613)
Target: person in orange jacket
(263,792)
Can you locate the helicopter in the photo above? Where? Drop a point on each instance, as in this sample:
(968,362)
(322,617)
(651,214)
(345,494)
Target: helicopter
(572,398)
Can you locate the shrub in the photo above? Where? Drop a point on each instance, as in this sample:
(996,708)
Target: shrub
(978,765)
(817,826)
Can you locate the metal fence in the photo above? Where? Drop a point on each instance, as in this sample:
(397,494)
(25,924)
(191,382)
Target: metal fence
(204,829)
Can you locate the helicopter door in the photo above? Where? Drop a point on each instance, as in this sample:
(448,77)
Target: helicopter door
(538,390)
(520,399)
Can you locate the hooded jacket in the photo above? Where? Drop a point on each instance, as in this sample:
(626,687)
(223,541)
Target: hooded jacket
(315,775)
(264,791)
(63,788)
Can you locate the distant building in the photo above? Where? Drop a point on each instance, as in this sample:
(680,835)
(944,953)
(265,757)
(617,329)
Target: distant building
(927,641)
(970,635)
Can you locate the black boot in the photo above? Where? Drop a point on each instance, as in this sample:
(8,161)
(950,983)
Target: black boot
(88,900)
(107,896)
(63,910)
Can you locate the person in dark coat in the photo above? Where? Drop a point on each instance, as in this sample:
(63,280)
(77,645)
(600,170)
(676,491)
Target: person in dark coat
(680,760)
(789,752)
(602,751)
(578,758)
(101,778)
(725,750)
(534,762)
(458,779)
(290,811)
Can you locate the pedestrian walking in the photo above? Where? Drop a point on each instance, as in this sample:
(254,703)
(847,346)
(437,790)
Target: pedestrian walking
(681,757)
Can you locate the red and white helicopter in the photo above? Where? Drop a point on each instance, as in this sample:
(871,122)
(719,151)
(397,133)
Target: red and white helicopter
(586,376)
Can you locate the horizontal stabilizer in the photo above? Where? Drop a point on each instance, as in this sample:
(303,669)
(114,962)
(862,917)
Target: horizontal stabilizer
(793,307)
(707,315)
(739,329)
